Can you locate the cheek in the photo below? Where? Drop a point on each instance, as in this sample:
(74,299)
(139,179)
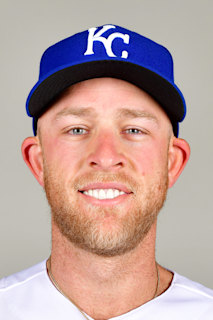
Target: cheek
(150,159)
(63,156)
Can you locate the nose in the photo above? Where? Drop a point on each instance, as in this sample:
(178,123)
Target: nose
(106,154)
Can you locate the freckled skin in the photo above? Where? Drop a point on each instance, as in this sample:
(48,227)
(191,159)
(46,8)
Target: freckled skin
(105,100)
(105,149)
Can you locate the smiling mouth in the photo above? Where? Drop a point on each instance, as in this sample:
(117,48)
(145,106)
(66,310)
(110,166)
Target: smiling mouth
(103,194)
(99,191)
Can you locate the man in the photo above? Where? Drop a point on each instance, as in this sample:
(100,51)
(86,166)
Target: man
(106,114)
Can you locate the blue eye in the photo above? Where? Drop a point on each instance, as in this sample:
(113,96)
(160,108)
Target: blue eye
(77,131)
(133,131)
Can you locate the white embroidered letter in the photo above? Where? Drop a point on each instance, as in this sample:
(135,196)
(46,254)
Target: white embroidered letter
(107,42)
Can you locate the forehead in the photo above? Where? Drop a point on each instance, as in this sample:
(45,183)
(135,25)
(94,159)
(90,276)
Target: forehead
(103,96)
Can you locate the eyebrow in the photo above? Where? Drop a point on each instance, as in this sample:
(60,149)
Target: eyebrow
(76,111)
(90,113)
(135,113)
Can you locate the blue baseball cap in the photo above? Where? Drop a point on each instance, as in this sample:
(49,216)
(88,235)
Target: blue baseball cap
(107,51)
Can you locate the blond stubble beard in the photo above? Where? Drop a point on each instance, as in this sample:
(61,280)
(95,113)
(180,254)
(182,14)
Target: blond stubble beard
(87,230)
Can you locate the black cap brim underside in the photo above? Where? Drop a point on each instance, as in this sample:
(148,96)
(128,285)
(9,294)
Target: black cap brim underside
(155,85)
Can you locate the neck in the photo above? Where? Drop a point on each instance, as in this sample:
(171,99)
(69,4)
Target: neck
(105,287)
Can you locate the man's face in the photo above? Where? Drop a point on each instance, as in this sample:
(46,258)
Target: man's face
(105,159)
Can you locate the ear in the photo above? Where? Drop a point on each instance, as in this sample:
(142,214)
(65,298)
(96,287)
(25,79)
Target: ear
(179,152)
(32,155)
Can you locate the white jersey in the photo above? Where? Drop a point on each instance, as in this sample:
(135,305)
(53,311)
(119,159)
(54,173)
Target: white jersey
(30,295)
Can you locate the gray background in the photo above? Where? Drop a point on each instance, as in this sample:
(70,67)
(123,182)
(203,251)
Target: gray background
(185,231)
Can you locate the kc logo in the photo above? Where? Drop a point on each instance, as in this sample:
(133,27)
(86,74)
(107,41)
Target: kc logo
(107,42)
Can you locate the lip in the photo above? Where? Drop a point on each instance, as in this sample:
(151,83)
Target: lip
(108,185)
(105,202)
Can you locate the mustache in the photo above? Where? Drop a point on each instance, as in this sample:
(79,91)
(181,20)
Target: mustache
(103,177)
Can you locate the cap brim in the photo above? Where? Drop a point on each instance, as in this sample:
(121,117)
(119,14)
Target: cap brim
(162,90)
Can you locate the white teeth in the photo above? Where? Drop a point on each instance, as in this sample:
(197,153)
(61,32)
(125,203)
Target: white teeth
(95,194)
(110,194)
(102,194)
(116,193)
(90,193)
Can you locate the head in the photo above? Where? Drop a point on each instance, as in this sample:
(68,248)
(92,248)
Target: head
(106,149)
(106,154)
